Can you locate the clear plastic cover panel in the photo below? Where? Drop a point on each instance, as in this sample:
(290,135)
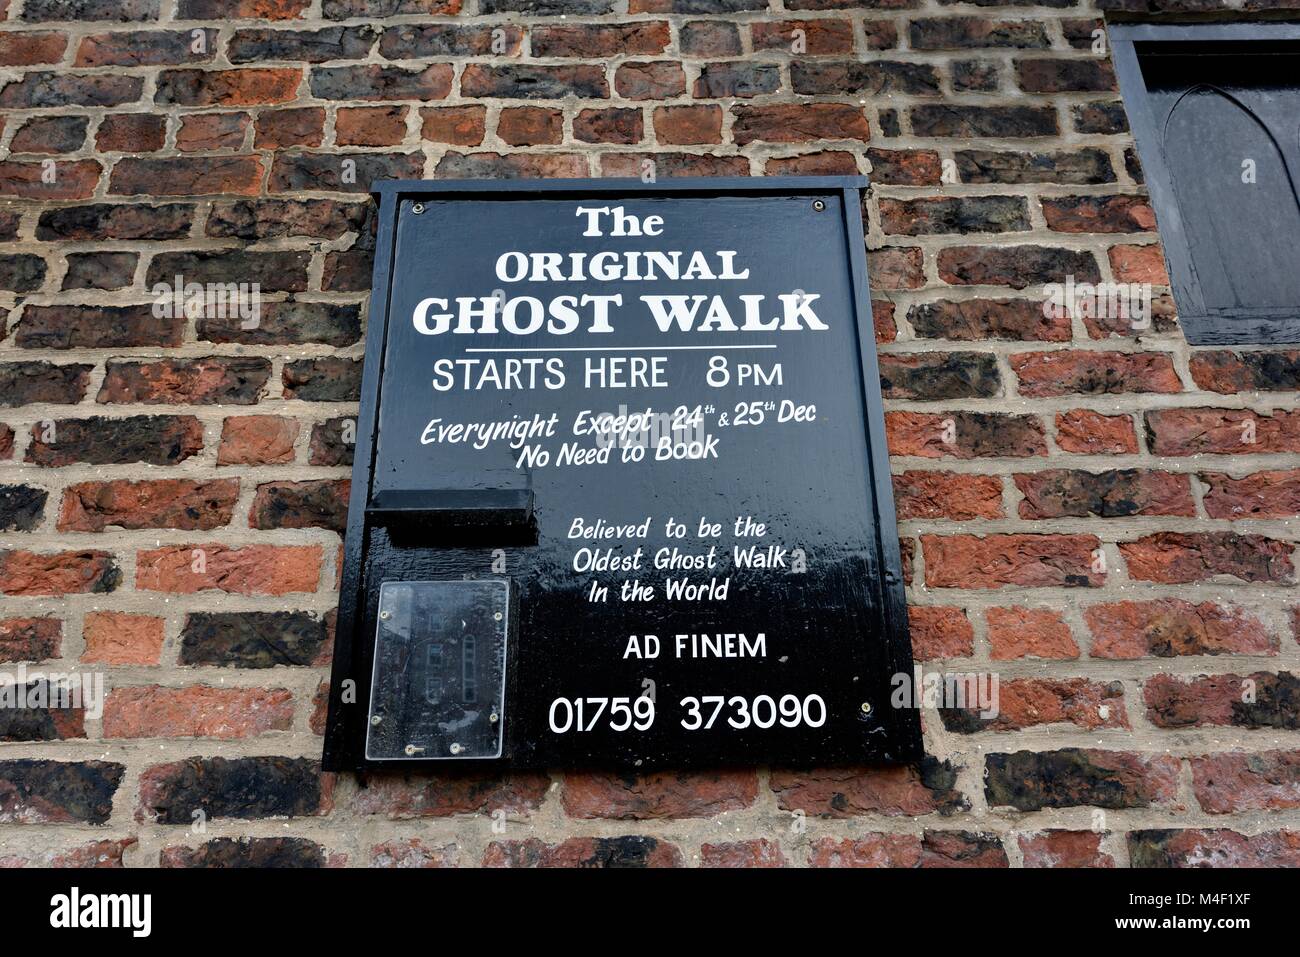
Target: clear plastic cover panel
(439,678)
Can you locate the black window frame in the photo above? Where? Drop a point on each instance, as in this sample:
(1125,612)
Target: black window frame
(1200,326)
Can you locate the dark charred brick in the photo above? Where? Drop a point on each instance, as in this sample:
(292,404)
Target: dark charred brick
(975,76)
(330,444)
(10,219)
(347,9)
(905,167)
(933,215)
(375,82)
(415,41)
(131,133)
(996,122)
(709,38)
(44,719)
(825,163)
(21,507)
(609,126)
(152,439)
(979,319)
(74,11)
(41,90)
(455,165)
(889,123)
(295,126)
(283,323)
(277,271)
(736,79)
(596,41)
(240,788)
(1212,847)
(215,380)
(1228,372)
(295,172)
(585,852)
(328,379)
(1071,777)
(252,639)
(548,8)
(100,270)
(26,383)
(311,46)
(244,852)
(96,327)
(534,82)
(668,165)
(1084,167)
(939,375)
(21,272)
(58,792)
(855,76)
(1015,266)
(960,33)
(115,221)
(1222,700)
(250,86)
(50,134)
(30,639)
(1062,493)
(1103,116)
(1059,75)
(349,270)
(976,435)
(257,220)
(186,176)
(320,503)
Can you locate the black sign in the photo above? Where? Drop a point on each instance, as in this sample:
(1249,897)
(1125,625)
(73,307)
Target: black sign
(621,493)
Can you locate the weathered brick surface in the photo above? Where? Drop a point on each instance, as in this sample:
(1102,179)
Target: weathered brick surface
(1091,509)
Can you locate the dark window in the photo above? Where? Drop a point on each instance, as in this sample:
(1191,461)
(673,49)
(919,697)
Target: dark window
(1215,110)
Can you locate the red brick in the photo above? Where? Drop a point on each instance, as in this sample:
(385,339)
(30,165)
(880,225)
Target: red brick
(1259,495)
(1168,627)
(939,632)
(251,570)
(201,132)
(871,850)
(57,573)
(898,791)
(30,639)
(164,503)
(688,125)
(403,797)
(298,126)
(1182,557)
(1118,493)
(819,37)
(1086,432)
(1222,431)
(798,123)
(457,125)
(994,561)
(186,176)
(972,434)
(1142,264)
(1213,847)
(1067,372)
(257,440)
(959,496)
(413,852)
(1057,848)
(198,711)
(73,179)
(1030,702)
(131,133)
(756,853)
(117,638)
(31,48)
(253,86)
(1029,633)
(1234,782)
(370,126)
(665,795)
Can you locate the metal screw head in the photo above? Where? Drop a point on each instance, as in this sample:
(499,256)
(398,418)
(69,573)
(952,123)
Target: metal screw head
(818,205)
(494,717)
(385,615)
(455,748)
(417,208)
(865,707)
(376,719)
(497,616)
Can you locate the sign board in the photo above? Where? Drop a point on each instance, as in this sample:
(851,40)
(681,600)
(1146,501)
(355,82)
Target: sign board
(621,495)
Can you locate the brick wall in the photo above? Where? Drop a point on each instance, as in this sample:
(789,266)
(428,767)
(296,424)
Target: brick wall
(171,490)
